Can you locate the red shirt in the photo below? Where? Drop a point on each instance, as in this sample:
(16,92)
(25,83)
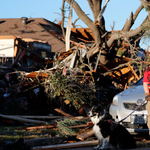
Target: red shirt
(146,77)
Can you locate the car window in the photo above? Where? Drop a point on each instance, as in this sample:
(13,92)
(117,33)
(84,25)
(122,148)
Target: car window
(139,82)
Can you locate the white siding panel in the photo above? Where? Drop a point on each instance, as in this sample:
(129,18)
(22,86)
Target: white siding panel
(6,47)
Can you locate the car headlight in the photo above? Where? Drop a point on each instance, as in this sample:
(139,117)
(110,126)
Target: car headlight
(115,100)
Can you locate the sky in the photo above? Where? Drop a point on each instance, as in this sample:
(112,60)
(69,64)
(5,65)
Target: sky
(116,11)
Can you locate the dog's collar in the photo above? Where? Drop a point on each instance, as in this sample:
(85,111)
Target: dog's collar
(111,121)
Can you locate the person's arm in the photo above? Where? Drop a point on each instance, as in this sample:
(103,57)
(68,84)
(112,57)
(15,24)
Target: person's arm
(146,90)
(145,86)
(145,81)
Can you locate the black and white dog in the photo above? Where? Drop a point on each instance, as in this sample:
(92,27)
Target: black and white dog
(110,134)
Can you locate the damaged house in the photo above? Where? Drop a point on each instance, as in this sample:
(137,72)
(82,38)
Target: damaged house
(35,29)
(32,38)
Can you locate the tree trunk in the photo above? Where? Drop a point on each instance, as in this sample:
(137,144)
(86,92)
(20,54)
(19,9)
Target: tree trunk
(87,21)
(98,28)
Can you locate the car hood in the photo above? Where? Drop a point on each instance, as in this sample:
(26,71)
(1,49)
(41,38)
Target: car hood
(133,90)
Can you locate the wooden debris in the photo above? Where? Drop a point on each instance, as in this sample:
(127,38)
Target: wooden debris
(55,126)
(38,117)
(36,74)
(85,135)
(22,119)
(131,68)
(68,145)
(41,127)
(66,114)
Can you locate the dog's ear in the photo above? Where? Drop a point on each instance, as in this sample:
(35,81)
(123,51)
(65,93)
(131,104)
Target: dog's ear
(94,108)
(99,108)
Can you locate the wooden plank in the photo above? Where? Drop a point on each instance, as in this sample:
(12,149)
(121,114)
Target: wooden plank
(37,74)
(122,70)
(33,40)
(131,68)
(68,145)
(38,117)
(104,66)
(22,119)
(55,126)
(66,114)
(15,48)
(41,127)
(85,135)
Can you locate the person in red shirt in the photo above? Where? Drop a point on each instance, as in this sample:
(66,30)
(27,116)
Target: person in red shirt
(146,87)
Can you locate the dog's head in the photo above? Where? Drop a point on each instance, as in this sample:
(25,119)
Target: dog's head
(96,113)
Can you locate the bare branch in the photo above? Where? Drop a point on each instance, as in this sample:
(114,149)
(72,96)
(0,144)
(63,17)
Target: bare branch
(129,34)
(132,18)
(146,4)
(138,11)
(112,27)
(91,5)
(97,8)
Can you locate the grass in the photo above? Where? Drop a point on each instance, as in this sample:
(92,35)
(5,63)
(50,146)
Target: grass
(14,133)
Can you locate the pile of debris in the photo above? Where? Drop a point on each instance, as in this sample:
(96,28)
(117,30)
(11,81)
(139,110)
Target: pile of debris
(53,76)
(66,83)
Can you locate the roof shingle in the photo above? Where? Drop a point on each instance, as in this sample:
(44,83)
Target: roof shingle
(36,28)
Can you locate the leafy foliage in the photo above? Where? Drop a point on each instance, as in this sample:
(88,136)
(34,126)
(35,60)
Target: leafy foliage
(67,90)
(63,127)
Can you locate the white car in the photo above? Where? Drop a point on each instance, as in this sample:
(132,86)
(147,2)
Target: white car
(125,104)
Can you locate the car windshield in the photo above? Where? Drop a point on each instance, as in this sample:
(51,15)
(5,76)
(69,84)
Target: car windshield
(139,82)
